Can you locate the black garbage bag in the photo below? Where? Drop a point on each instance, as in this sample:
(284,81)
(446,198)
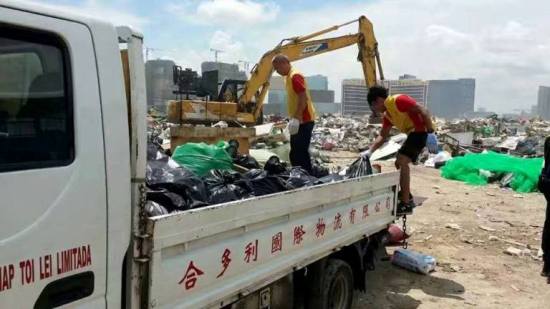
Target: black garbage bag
(317,170)
(255,173)
(274,166)
(232,148)
(331,178)
(297,177)
(359,168)
(226,186)
(246,161)
(527,147)
(170,200)
(154,209)
(262,183)
(164,175)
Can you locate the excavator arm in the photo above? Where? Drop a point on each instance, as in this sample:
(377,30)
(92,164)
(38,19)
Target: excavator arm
(297,48)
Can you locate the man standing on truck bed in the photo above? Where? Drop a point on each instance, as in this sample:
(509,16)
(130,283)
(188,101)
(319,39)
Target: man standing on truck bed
(402,112)
(300,111)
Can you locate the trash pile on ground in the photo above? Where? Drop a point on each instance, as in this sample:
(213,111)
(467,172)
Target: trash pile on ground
(199,175)
(339,133)
(522,138)
(158,128)
(493,150)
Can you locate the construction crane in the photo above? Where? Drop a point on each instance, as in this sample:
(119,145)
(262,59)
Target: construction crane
(246,65)
(247,98)
(216,52)
(148,51)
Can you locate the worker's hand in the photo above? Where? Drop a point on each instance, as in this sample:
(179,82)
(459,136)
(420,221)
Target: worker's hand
(293,126)
(366,154)
(432,143)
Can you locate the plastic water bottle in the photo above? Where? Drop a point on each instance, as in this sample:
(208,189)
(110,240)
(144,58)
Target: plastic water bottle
(414,261)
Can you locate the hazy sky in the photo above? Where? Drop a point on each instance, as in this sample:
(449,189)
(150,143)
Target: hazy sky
(503,44)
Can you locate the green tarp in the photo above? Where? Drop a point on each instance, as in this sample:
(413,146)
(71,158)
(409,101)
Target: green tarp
(526,171)
(201,158)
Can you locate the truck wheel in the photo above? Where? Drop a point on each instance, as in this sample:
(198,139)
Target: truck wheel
(336,287)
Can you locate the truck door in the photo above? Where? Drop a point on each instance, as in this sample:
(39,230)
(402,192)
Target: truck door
(52,170)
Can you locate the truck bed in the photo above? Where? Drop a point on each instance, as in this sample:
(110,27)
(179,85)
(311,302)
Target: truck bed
(210,256)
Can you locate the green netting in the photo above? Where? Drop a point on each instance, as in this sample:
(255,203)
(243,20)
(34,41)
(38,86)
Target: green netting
(526,171)
(201,158)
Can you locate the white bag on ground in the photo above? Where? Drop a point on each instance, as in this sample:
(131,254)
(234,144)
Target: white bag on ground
(414,261)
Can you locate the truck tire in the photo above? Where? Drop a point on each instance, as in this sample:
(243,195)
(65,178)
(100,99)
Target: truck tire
(334,287)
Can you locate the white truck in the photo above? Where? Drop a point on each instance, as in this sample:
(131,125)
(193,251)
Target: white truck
(72,165)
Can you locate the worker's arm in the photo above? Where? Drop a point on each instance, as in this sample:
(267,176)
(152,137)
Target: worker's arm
(302,104)
(299,86)
(381,139)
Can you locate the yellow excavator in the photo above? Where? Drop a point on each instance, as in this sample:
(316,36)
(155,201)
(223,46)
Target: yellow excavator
(241,101)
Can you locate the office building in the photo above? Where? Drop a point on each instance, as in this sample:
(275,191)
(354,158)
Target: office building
(276,83)
(451,98)
(276,96)
(225,70)
(322,96)
(543,102)
(354,97)
(317,82)
(409,85)
(159,82)
(314,82)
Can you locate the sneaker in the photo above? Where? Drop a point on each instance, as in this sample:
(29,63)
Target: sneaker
(405,208)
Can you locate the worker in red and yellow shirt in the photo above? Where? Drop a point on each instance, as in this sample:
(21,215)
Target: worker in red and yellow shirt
(300,111)
(410,118)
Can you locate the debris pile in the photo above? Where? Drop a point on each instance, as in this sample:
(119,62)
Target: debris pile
(339,133)
(523,138)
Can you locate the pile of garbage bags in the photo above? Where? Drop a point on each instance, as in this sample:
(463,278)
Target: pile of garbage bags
(478,169)
(181,183)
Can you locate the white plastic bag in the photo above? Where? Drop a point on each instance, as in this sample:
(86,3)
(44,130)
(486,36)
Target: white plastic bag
(414,261)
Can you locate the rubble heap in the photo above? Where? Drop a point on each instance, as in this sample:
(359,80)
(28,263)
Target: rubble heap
(341,133)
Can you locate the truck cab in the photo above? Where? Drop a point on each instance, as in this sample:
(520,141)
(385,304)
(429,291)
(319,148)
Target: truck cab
(64,159)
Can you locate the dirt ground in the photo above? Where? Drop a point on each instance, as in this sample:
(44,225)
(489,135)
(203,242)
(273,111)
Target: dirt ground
(473,270)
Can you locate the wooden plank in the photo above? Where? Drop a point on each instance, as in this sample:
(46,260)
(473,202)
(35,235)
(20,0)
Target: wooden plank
(126,72)
(209,135)
(188,111)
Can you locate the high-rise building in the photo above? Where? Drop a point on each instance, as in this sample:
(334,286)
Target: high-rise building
(276,96)
(225,70)
(159,82)
(543,102)
(451,98)
(322,96)
(409,85)
(317,82)
(354,97)
(314,82)
(276,83)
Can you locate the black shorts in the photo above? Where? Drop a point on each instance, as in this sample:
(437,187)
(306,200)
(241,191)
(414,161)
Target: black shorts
(414,144)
